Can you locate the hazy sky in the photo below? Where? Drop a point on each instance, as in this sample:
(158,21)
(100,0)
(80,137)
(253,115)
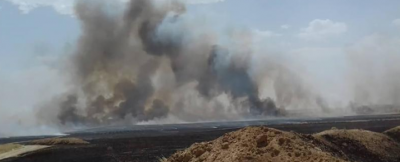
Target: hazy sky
(29,28)
(314,33)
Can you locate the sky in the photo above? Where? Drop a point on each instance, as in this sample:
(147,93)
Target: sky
(30,27)
(315,35)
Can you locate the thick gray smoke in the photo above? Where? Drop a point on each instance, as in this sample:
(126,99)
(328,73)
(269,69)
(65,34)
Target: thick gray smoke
(134,66)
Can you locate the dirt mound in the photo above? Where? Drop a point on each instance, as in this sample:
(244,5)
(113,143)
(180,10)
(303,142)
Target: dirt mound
(362,145)
(394,133)
(58,141)
(256,144)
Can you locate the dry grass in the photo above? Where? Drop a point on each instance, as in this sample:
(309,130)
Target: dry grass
(362,143)
(259,144)
(255,144)
(59,141)
(9,147)
(14,150)
(163,159)
(394,133)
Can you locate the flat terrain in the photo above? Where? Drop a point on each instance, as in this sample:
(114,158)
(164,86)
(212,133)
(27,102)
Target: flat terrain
(152,142)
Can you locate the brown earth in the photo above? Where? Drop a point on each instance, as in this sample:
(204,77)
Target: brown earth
(262,144)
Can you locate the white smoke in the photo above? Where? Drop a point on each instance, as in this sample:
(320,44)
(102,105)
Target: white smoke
(375,70)
(21,91)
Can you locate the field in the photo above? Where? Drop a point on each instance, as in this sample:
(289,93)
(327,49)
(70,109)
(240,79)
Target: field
(151,143)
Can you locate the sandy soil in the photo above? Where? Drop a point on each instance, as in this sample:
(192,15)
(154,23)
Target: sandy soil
(261,144)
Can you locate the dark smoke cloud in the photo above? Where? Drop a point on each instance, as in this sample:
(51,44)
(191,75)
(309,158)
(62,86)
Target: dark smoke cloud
(123,64)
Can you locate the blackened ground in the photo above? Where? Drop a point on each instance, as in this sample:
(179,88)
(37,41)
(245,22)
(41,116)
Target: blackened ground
(149,143)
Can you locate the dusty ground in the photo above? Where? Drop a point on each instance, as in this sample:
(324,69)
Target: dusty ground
(262,144)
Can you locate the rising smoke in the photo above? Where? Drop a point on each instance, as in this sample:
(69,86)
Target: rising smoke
(152,63)
(147,64)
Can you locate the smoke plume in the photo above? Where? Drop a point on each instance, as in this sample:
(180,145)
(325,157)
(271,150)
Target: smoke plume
(152,61)
(147,63)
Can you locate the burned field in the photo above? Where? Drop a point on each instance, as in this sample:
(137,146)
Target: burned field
(152,143)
